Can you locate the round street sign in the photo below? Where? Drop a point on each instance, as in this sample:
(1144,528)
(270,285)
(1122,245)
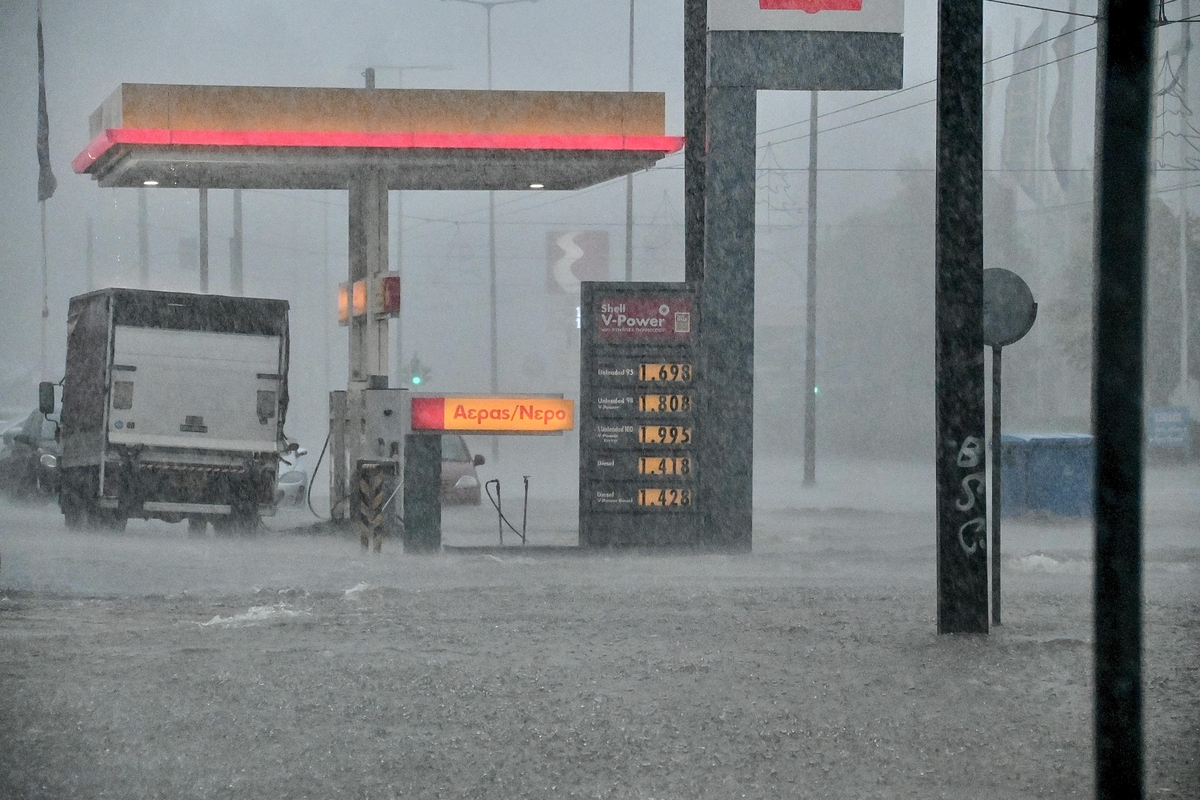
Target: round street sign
(1008,307)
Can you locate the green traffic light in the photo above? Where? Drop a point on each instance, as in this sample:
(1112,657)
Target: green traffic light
(416,379)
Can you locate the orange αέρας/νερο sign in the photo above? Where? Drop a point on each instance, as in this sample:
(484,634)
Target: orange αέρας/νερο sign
(486,414)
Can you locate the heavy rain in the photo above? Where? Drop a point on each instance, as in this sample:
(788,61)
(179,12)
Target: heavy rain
(227,628)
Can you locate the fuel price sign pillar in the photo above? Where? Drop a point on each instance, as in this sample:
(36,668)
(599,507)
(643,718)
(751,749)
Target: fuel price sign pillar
(640,416)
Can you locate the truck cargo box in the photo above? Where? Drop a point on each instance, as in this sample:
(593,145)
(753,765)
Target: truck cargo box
(173,404)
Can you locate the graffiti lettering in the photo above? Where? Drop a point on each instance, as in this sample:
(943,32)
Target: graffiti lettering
(971,493)
(978,526)
(972,536)
(971,452)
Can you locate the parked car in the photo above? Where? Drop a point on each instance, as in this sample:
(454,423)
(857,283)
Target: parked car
(292,485)
(29,458)
(460,482)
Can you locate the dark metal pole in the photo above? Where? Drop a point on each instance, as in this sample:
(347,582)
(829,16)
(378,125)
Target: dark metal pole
(629,177)
(45,286)
(489,44)
(143,216)
(994,507)
(1126,80)
(727,331)
(629,227)
(495,377)
(810,330)
(399,269)
(203,240)
(962,584)
(495,349)
(236,246)
(695,128)
(90,257)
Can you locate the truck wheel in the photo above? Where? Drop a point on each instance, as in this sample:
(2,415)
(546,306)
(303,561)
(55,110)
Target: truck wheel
(197,527)
(73,509)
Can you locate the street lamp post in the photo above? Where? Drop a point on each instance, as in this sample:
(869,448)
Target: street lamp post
(629,177)
(399,255)
(487,6)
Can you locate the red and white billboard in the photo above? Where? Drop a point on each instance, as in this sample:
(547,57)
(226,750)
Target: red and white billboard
(663,319)
(575,256)
(876,16)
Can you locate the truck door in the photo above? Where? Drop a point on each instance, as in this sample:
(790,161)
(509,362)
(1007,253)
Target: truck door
(194,389)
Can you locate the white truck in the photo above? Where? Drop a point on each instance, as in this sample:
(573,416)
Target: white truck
(173,407)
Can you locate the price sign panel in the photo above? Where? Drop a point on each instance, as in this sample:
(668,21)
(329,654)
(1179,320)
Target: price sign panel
(671,466)
(641,429)
(667,435)
(630,465)
(674,372)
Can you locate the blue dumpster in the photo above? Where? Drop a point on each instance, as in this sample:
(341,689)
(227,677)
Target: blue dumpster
(1047,474)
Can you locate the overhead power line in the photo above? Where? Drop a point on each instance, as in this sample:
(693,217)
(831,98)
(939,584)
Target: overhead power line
(524,198)
(1043,8)
(931,81)
(927,102)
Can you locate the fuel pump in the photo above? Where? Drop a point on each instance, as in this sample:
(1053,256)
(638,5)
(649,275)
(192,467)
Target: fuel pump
(374,424)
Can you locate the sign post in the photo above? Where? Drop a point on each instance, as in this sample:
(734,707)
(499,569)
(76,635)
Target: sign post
(814,45)
(1008,314)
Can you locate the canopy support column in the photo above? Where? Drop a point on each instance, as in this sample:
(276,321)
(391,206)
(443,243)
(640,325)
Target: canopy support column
(368,261)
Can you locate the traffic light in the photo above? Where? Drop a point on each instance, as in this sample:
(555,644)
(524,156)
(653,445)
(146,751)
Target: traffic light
(419,373)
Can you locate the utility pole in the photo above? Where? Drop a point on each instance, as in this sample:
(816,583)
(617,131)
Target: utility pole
(399,254)
(488,6)
(90,257)
(962,579)
(236,247)
(810,327)
(1125,85)
(629,177)
(143,239)
(204,240)
(695,126)
(1185,36)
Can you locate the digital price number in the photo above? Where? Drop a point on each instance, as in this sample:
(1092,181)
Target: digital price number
(665,403)
(664,497)
(665,373)
(664,434)
(681,465)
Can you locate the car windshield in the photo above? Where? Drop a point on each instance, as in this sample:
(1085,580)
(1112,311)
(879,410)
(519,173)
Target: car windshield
(454,448)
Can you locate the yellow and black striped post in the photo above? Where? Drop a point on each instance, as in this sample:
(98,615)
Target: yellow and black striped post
(376,482)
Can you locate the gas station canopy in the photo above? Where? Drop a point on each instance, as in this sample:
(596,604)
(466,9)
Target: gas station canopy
(260,137)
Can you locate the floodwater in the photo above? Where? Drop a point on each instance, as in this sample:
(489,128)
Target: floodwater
(291,664)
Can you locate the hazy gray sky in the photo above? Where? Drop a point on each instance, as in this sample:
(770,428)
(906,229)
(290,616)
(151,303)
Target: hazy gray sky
(550,44)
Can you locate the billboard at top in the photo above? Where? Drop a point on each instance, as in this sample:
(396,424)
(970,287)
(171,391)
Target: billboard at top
(875,16)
